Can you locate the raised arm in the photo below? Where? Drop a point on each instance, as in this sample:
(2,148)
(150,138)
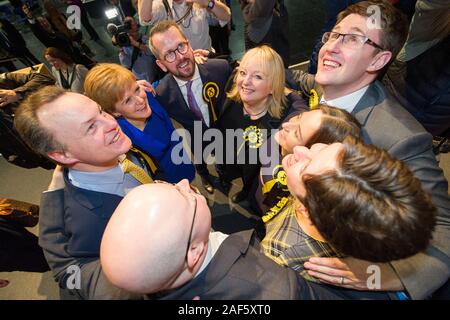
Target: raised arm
(145,10)
(255,9)
(220,9)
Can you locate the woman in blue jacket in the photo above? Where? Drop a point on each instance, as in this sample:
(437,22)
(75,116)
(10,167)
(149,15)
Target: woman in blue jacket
(142,119)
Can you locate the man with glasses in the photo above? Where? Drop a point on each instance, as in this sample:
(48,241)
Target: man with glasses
(170,252)
(366,37)
(185,91)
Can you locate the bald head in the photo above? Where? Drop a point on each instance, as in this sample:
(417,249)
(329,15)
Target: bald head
(144,245)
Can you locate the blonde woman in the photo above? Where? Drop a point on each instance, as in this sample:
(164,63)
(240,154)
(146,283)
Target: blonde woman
(257,103)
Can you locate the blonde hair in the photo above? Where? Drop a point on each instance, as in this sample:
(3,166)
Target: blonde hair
(106,84)
(272,65)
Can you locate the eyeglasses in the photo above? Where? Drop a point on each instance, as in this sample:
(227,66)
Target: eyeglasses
(349,40)
(182,48)
(195,190)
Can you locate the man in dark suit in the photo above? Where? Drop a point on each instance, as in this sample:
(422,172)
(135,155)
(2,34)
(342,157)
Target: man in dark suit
(191,261)
(73,131)
(355,52)
(192,93)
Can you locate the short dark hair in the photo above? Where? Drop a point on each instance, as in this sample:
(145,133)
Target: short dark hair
(372,207)
(160,27)
(335,125)
(394,25)
(28,125)
(58,54)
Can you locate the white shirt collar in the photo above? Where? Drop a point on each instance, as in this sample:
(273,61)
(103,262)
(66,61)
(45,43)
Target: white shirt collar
(348,102)
(97,178)
(215,241)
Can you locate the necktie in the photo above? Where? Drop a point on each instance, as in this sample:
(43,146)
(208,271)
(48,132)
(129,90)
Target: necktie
(192,103)
(135,171)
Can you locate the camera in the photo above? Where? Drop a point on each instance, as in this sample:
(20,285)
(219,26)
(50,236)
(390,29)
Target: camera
(120,32)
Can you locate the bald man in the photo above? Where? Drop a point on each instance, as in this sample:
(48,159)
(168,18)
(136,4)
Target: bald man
(150,247)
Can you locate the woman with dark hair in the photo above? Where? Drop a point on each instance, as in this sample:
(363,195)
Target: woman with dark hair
(325,124)
(67,73)
(350,200)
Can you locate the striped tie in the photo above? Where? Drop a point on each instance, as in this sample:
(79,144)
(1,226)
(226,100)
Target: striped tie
(135,171)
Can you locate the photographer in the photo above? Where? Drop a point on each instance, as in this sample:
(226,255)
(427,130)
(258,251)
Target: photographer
(134,53)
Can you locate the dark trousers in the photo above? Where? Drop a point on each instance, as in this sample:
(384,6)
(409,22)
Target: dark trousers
(87,25)
(220,39)
(19,249)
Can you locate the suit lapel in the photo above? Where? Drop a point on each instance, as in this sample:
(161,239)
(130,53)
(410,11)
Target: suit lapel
(219,267)
(373,97)
(92,200)
(82,196)
(204,75)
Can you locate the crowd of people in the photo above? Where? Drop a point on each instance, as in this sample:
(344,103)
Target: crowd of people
(340,175)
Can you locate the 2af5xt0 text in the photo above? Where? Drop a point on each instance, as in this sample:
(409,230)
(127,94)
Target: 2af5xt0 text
(226,309)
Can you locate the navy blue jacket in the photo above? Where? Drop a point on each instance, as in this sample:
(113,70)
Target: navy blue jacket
(86,214)
(170,97)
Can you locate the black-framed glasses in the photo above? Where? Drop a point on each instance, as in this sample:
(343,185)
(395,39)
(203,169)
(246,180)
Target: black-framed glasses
(182,48)
(350,40)
(195,190)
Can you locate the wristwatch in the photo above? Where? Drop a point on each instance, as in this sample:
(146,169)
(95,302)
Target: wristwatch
(211,4)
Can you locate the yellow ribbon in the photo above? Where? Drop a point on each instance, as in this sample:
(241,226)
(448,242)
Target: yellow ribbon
(313,99)
(210,91)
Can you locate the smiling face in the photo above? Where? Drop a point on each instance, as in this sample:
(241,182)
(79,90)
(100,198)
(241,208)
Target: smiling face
(253,84)
(343,70)
(298,130)
(57,63)
(184,66)
(317,160)
(93,140)
(133,106)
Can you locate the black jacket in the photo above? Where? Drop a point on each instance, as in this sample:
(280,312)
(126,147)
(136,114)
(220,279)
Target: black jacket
(423,87)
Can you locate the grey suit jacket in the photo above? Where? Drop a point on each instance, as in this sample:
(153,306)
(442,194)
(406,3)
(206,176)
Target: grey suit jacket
(54,240)
(239,271)
(386,124)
